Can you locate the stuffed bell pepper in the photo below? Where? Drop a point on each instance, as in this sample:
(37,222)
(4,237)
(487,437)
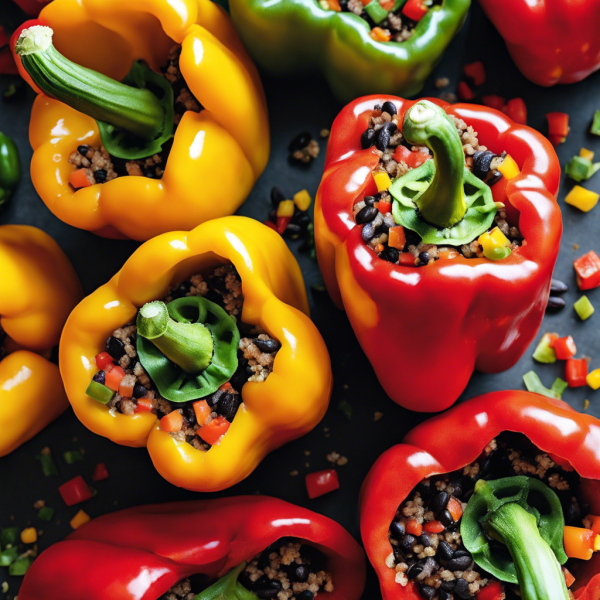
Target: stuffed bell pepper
(242,548)
(498,498)
(151,117)
(201,349)
(358,45)
(437,230)
(38,289)
(550,42)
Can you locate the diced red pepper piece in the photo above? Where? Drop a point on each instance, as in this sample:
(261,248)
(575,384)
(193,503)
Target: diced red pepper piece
(558,127)
(334,5)
(226,387)
(576,372)
(144,405)
(282,223)
(212,432)
(433,527)
(271,225)
(384,207)
(100,472)
(75,491)
(454,508)
(587,271)
(516,109)
(493,101)
(414,528)
(172,422)
(321,482)
(380,35)
(126,390)
(464,91)
(475,71)
(113,377)
(79,179)
(492,591)
(415,9)
(407,259)
(569,579)
(103,360)
(202,410)
(397,237)
(412,159)
(564,347)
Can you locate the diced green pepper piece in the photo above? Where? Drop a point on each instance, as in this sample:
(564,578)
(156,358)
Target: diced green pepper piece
(20,566)
(596,123)
(376,11)
(584,308)
(559,386)
(72,456)
(544,353)
(580,168)
(99,392)
(8,556)
(9,536)
(533,384)
(345,407)
(46,513)
(48,464)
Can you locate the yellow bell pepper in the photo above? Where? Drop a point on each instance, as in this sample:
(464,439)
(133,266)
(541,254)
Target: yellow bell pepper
(585,153)
(289,403)
(582,199)
(38,289)
(217,154)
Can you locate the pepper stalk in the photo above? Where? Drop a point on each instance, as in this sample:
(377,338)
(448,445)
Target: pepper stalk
(228,588)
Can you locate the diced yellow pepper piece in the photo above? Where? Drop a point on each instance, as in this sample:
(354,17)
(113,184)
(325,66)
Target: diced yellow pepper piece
(494,243)
(593,379)
(302,200)
(29,535)
(81,518)
(382,181)
(499,238)
(597,543)
(582,199)
(285,208)
(585,153)
(509,168)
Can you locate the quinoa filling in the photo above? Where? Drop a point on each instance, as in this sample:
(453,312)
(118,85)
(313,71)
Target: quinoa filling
(396,158)
(385,17)
(286,570)
(101,167)
(425,534)
(256,355)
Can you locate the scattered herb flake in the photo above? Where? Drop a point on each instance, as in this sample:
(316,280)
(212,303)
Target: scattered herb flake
(345,407)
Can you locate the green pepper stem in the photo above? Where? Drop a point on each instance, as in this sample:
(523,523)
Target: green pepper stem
(135,110)
(443,202)
(228,588)
(188,345)
(538,571)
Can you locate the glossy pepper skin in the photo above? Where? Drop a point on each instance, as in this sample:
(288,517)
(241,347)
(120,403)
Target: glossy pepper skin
(456,438)
(140,553)
(288,404)
(550,42)
(38,289)
(288,37)
(198,184)
(425,329)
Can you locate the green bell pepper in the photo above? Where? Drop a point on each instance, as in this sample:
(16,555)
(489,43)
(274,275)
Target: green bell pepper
(289,37)
(526,516)
(10,168)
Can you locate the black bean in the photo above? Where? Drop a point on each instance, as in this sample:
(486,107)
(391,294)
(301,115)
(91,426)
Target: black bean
(300,141)
(495,178)
(368,232)
(214,398)
(461,563)
(439,502)
(397,530)
(182,290)
(407,542)
(100,377)
(293,231)
(456,486)
(427,591)
(305,595)
(190,414)
(443,595)
(444,551)
(555,303)
(414,570)
(301,573)
(370,200)
(382,140)
(301,217)
(448,586)
(149,172)
(367,139)
(139,391)
(366,214)
(481,163)
(558,287)
(268,346)
(83,150)
(228,405)
(424,257)
(277,196)
(115,347)
(274,587)
(424,488)
(461,589)
(445,518)
(100,175)
(239,378)
(390,254)
(389,108)
(425,540)
(459,553)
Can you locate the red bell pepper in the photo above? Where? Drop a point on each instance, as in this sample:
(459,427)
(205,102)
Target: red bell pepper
(456,438)
(140,553)
(476,72)
(75,491)
(550,42)
(587,271)
(426,329)
(321,482)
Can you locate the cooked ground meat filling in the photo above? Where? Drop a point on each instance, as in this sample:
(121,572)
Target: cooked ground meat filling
(256,355)
(101,167)
(287,570)
(482,162)
(438,562)
(394,27)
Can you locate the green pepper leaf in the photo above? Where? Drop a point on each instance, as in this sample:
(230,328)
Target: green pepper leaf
(227,588)
(479,217)
(172,381)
